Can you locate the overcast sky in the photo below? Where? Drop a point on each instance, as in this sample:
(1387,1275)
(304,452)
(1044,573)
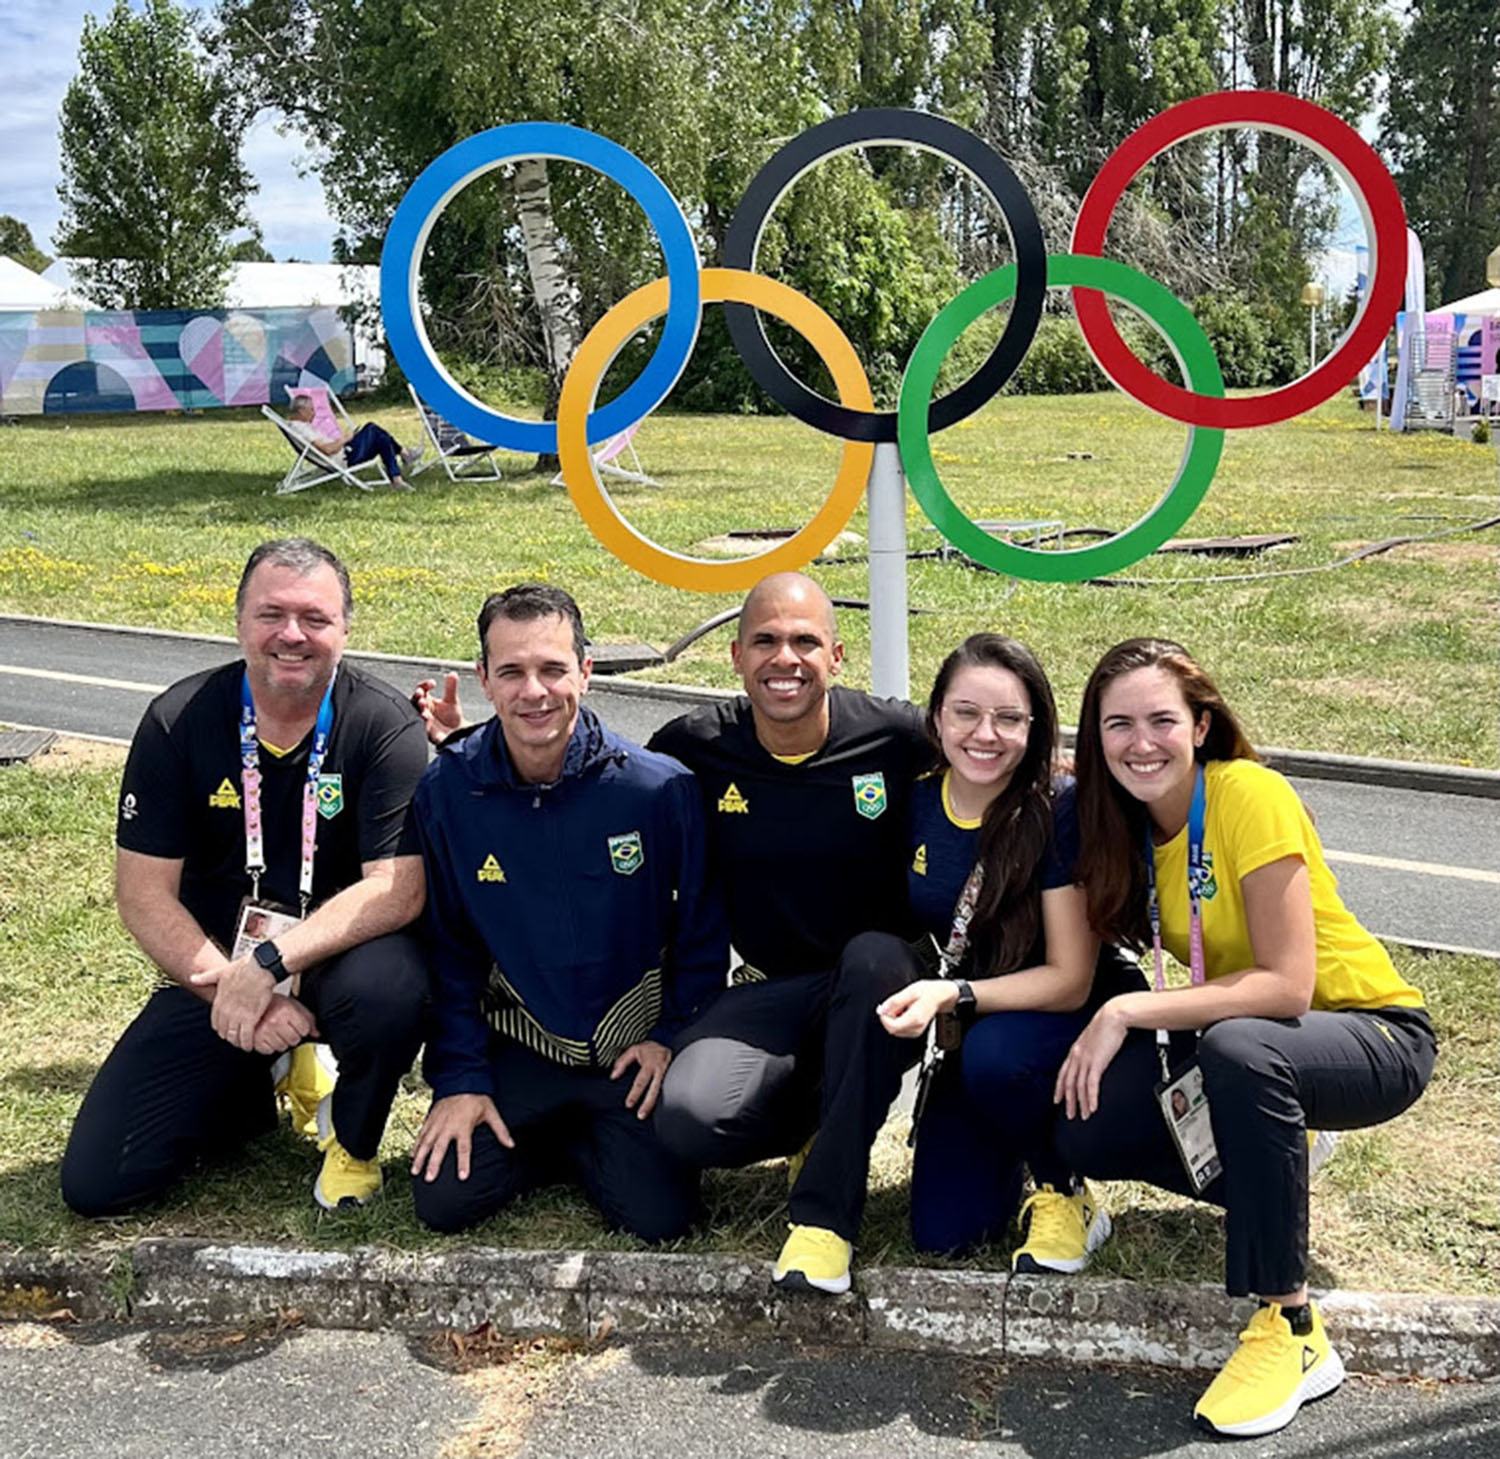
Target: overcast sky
(38,56)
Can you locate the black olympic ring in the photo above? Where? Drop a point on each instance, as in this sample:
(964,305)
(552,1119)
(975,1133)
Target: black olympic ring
(947,139)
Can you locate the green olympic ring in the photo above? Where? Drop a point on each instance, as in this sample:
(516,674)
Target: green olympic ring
(1200,367)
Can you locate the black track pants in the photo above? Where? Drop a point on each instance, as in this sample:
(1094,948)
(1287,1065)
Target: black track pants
(569,1125)
(1268,1082)
(772,1062)
(172,1092)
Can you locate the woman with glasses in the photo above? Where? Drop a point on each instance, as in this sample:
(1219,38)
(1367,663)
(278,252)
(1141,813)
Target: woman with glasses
(1292,1016)
(994,841)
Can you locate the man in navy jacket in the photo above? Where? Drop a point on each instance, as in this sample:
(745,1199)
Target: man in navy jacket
(572,934)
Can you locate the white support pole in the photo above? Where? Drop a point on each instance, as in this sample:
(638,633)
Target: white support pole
(889,656)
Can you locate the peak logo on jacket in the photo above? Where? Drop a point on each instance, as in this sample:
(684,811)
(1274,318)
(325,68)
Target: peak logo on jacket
(733,803)
(226,797)
(491,870)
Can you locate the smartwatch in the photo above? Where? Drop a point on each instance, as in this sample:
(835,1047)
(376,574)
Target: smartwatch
(966,1005)
(268,956)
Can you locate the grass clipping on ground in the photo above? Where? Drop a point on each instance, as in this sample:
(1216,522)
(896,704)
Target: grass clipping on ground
(1408,1206)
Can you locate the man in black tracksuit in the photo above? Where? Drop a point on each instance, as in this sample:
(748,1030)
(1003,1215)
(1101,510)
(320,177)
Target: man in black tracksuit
(572,934)
(805,792)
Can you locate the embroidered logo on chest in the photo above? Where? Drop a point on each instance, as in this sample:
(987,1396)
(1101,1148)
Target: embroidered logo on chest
(330,795)
(919,861)
(733,803)
(226,797)
(626,853)
(491,870)
(869,795)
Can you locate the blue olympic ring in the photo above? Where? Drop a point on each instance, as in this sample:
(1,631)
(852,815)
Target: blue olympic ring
(401,266)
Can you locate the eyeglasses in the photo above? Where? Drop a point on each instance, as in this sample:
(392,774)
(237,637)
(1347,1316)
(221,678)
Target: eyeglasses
(1009,724)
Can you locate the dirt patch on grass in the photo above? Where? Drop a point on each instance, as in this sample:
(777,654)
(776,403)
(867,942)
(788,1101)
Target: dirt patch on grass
(68,753)
(1373,691)
(1456,552)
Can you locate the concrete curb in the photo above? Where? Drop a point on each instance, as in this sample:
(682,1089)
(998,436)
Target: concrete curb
(632,1294)
(1311,764)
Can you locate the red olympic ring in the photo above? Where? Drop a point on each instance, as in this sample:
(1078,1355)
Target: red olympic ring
(1374,191)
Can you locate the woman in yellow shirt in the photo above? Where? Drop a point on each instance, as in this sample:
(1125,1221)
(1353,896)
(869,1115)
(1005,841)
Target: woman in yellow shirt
(1295,1016)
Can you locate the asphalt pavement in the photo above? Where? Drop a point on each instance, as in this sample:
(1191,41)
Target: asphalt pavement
(1417,866)
(98,1393)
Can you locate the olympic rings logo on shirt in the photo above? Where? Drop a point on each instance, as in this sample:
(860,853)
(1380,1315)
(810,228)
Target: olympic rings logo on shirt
(1201,405)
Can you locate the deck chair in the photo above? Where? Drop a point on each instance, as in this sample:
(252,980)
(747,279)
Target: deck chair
(312,467)
(607,455)
(329,416)
(460,458)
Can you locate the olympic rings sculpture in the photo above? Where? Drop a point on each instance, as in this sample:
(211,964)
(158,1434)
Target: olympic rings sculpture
(1201,405)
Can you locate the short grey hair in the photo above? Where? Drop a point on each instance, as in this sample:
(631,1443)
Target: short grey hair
(302,555)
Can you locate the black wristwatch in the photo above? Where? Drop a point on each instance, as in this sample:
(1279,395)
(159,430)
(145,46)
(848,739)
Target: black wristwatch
(966,1005)
(268,955)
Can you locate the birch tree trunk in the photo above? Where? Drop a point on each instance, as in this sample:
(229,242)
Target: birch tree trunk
(556,298)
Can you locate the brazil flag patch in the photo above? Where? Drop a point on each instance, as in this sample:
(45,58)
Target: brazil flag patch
(330,795)
(626,854)
(869,795)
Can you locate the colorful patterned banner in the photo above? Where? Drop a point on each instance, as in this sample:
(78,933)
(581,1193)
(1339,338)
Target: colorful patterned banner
(62,361)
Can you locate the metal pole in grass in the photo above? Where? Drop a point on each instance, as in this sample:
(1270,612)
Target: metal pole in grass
(889,666)
(1312,296)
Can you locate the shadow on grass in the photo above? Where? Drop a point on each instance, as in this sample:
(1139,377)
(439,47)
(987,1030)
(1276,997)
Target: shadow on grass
(73,1076)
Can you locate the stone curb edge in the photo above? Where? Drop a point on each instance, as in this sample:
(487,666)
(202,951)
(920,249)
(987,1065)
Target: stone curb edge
(592,1294)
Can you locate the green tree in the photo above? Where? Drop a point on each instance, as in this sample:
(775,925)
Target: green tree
(1442,134)
(152,182)
(16,242)
(251,249)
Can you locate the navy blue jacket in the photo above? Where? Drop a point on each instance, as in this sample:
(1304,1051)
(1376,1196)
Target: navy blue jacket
(573,917)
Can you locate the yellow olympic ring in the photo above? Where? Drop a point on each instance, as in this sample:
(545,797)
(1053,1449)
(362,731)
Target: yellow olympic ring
(592,501)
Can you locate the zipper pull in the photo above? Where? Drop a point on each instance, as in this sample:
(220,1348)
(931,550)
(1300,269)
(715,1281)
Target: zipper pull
(536,801)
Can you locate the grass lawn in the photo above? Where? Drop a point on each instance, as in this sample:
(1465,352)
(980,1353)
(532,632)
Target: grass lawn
(144,519)
(1408,1206)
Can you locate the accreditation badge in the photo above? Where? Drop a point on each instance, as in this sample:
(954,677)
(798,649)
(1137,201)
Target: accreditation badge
(1184,1106)
(260,922)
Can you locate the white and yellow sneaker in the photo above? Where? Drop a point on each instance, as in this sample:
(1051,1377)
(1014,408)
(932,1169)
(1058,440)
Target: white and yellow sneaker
(1272,1373)
(1061,1232)
(343,1180)
(813,1259)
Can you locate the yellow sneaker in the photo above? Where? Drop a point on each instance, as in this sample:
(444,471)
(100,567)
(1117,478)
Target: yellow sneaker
(343,1180)
(1272,1373)
(813,1259)
(797,1159)
(1061,1231)
(304,1079)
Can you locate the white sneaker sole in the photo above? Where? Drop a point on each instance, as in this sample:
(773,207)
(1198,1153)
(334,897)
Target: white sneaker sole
(1025,1264)
(1319,1383)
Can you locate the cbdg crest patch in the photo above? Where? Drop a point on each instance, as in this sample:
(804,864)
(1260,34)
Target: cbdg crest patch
(869,795)
(626,854)
(330,795)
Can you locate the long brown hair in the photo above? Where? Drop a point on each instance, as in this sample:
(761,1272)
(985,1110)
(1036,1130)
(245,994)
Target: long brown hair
(1111,821)
(1017,825)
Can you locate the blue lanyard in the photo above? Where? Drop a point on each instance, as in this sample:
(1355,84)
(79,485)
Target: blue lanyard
(1195,880)
(255,839)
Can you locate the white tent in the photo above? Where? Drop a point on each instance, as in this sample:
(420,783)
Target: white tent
(22,289)
(1487,303)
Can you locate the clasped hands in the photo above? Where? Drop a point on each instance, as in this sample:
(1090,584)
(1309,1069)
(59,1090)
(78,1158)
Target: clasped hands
(249,1013)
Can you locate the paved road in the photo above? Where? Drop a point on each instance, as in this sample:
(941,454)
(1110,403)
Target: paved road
(1416,866)
(88,1394)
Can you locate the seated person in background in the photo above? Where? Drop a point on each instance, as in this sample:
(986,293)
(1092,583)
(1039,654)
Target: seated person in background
(232,773)
(994,839)
(571,934)
(353,447)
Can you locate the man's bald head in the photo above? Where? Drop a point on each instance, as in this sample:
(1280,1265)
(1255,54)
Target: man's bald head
(787,592)
(786,651)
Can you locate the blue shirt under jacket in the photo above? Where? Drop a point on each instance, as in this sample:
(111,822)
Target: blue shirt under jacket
(573,917)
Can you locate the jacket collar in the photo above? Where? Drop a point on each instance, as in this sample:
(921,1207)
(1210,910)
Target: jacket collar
(590,746)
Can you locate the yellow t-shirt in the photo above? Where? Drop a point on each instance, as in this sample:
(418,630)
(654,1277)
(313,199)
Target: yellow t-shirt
(1252,818)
